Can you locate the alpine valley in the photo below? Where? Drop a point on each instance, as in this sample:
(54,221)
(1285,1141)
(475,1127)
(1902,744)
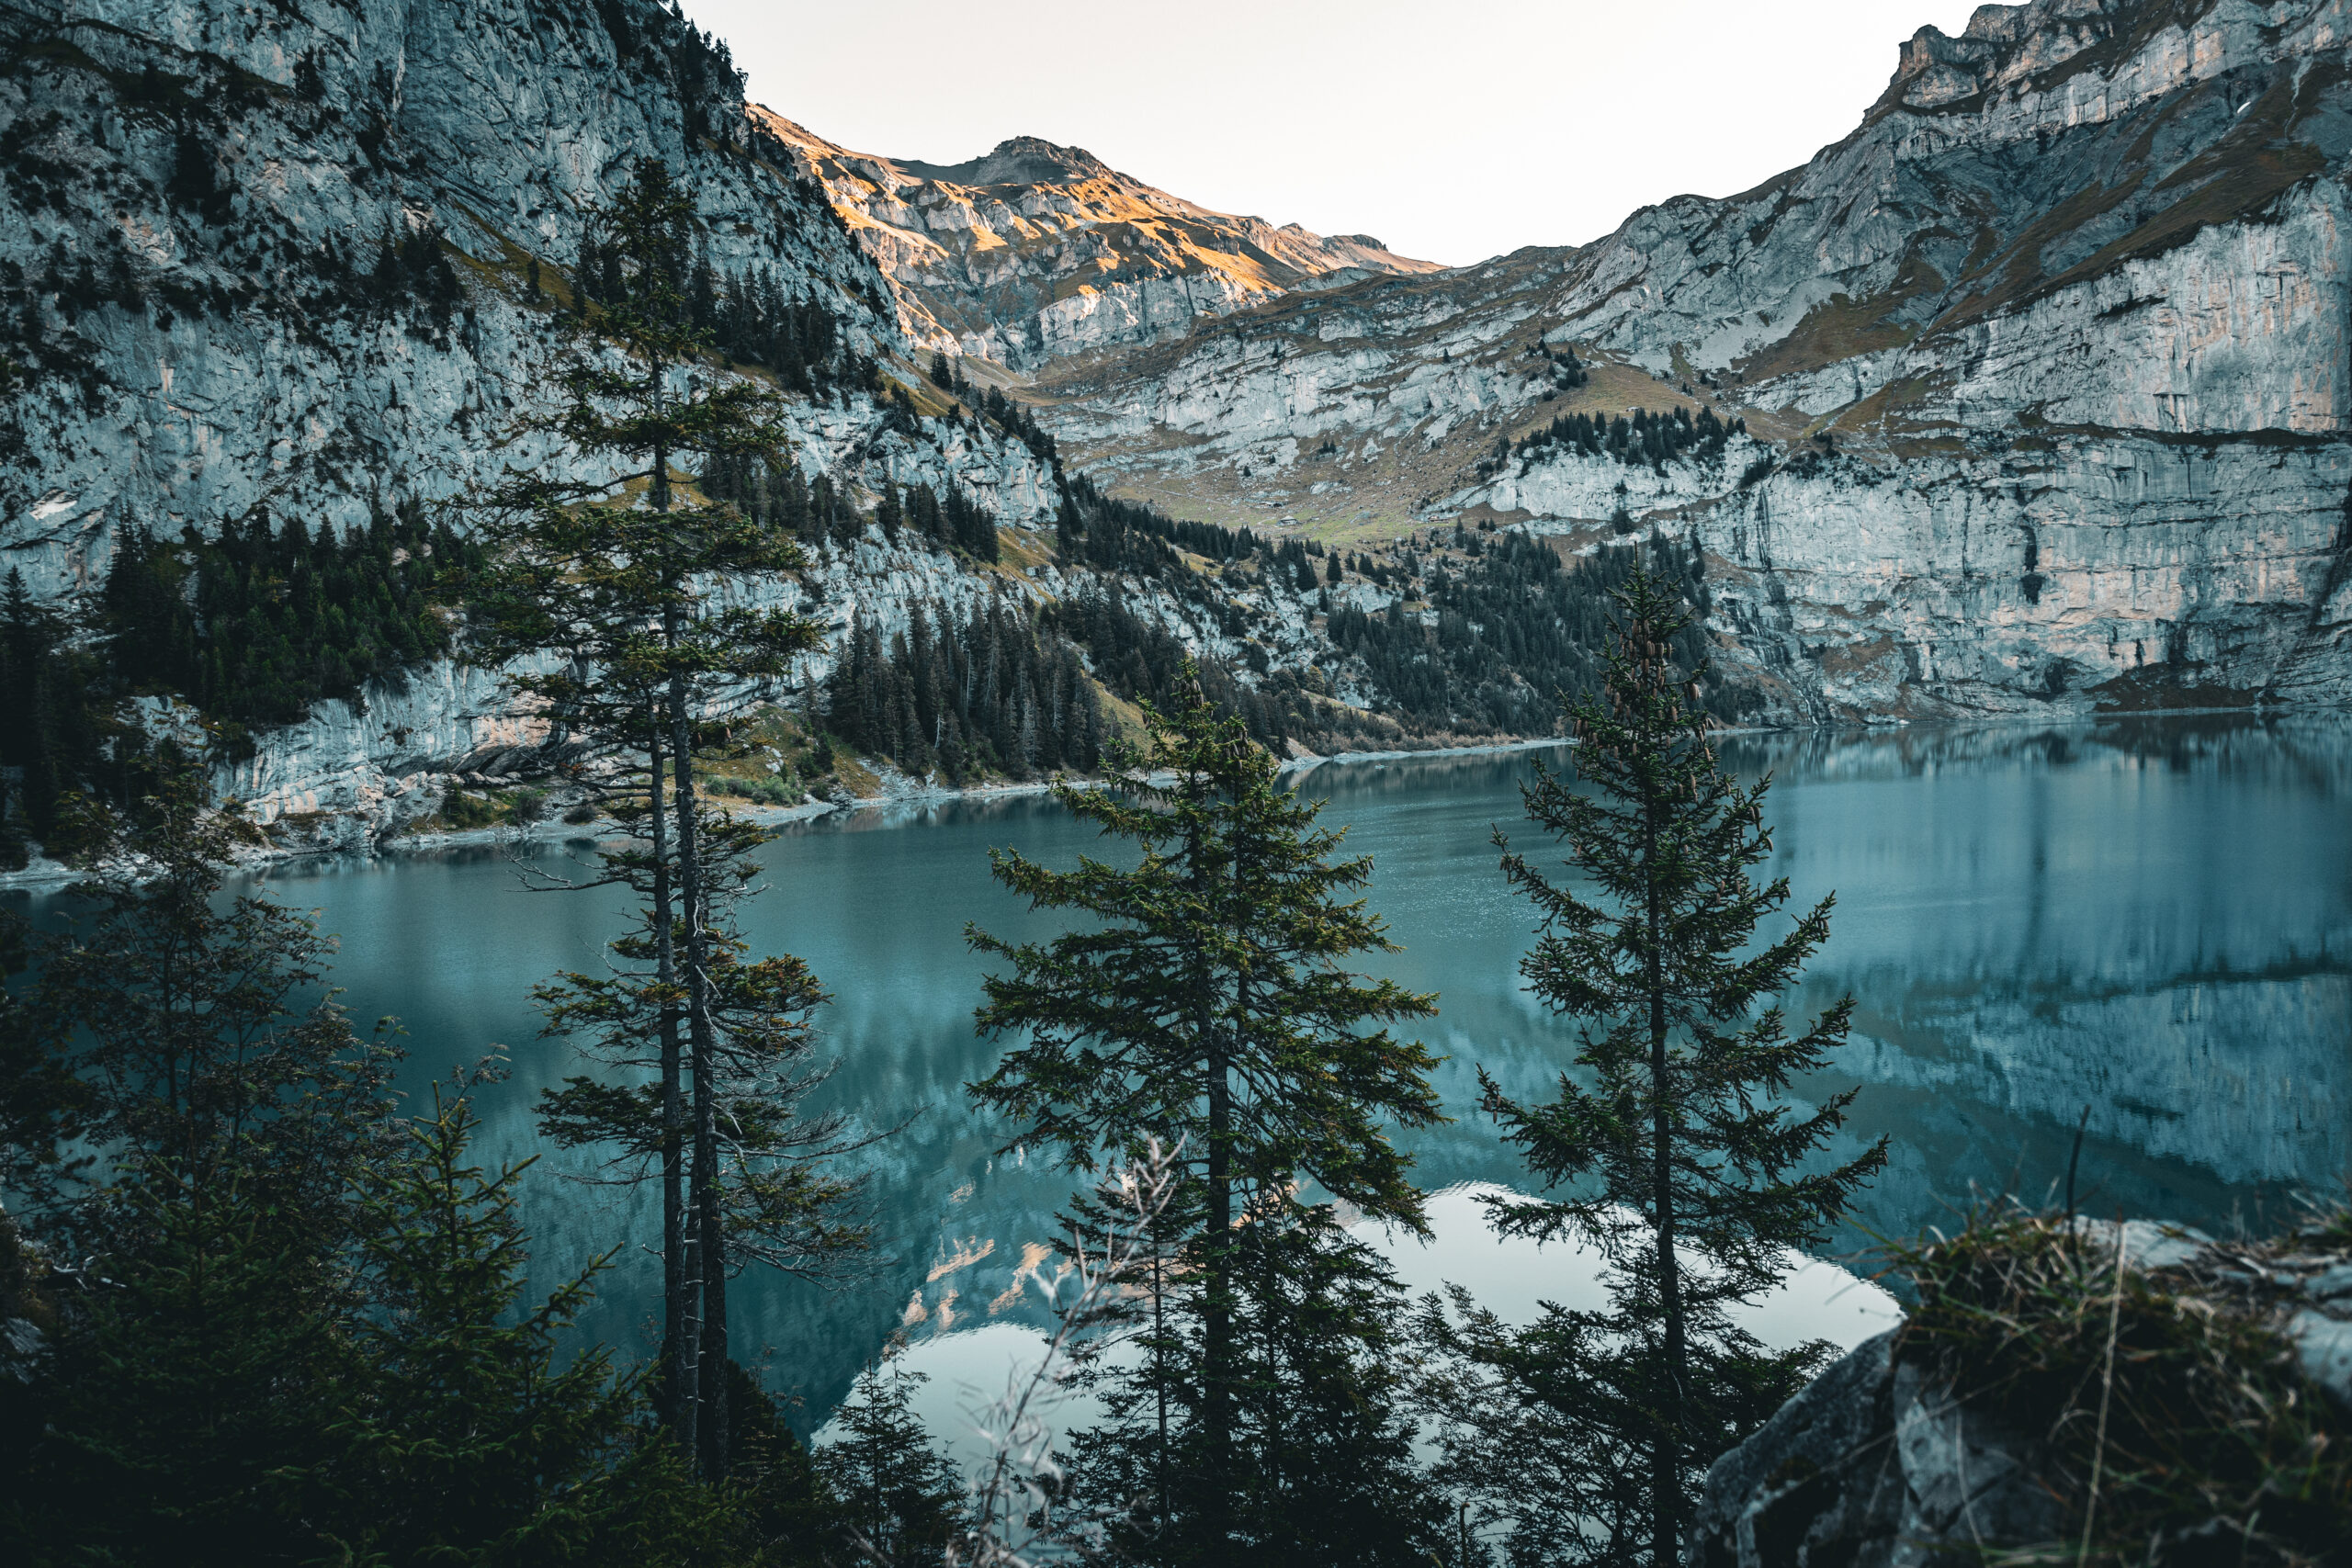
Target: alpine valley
(2028,397)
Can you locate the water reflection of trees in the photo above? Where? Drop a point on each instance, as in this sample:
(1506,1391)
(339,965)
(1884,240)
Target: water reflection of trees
(2147,915)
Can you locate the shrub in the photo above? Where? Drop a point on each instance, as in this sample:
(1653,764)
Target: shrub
(764,789)
(2209,1434)
(461,811)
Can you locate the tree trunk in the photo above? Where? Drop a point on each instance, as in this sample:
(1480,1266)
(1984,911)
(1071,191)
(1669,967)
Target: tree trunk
(658,491)
(1159,1369)
(679,1325)
(1216,1322)
(1666,1458)
(1217,1339)
(710,1235)
(712,1433)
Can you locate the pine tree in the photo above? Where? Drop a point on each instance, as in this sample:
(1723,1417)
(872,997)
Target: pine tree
(295,1335)
(1331,1479)
(44,1103)
(898,1496)
(48,731)
(1693,1176)
(204,1039)
(779,1205)
(626,591)
(183,1402)
(1206,1005)
(787,1516)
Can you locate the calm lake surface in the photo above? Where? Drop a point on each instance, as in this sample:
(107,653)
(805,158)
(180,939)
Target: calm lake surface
(2150,919)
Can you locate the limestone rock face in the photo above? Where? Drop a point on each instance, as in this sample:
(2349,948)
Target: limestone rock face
(201,325)
(225,181)
(2046,363)
(1034,251)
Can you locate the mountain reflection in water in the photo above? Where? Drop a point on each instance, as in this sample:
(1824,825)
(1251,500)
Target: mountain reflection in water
(2147,917)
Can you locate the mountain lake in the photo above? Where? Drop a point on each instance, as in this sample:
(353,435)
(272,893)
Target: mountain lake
(2149,918)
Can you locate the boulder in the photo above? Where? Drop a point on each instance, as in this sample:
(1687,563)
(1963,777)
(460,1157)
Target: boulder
(1874,1463)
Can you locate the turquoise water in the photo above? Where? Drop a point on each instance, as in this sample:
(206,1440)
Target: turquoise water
(2151,920)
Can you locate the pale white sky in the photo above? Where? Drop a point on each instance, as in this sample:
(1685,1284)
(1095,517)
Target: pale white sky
(1452,132)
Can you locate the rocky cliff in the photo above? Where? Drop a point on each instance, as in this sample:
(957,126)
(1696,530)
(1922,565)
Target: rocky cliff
(198,198)
(1034,250)
(262,266)
(303,262)
(2046,366)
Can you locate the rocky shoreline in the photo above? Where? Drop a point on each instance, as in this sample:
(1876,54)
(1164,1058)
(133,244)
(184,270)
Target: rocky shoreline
(898,793)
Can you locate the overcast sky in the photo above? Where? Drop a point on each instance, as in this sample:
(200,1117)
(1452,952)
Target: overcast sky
(1451,132)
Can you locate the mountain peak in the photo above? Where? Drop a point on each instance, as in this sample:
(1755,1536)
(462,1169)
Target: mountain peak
(1017,160)
(2001,44)
(1034,249)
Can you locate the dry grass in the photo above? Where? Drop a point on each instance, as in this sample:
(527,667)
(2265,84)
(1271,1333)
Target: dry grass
(462,810)
(1386,496)
(1841,327)
(855,775)
(2210,1447)
(1021,552)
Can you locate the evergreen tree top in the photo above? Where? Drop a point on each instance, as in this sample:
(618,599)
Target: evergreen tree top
(613,573)
(635,384)
(1220,952)
(1649,949)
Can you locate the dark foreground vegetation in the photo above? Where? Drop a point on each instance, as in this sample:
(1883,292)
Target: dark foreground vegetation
(2166,1404)
(282,1317)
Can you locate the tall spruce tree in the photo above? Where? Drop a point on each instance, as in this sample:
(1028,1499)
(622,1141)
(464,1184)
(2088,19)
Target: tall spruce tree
(283,1327)
(1205,1003)
(204,1037)
(620,577)
(183,1401)
(780,1203)
(289,1335)
(1685,1163)
(54,739)
(900,1497)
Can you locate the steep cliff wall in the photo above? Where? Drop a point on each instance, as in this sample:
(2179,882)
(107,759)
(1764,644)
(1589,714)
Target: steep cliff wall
(200,323)
(2050,362)
(229,178)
